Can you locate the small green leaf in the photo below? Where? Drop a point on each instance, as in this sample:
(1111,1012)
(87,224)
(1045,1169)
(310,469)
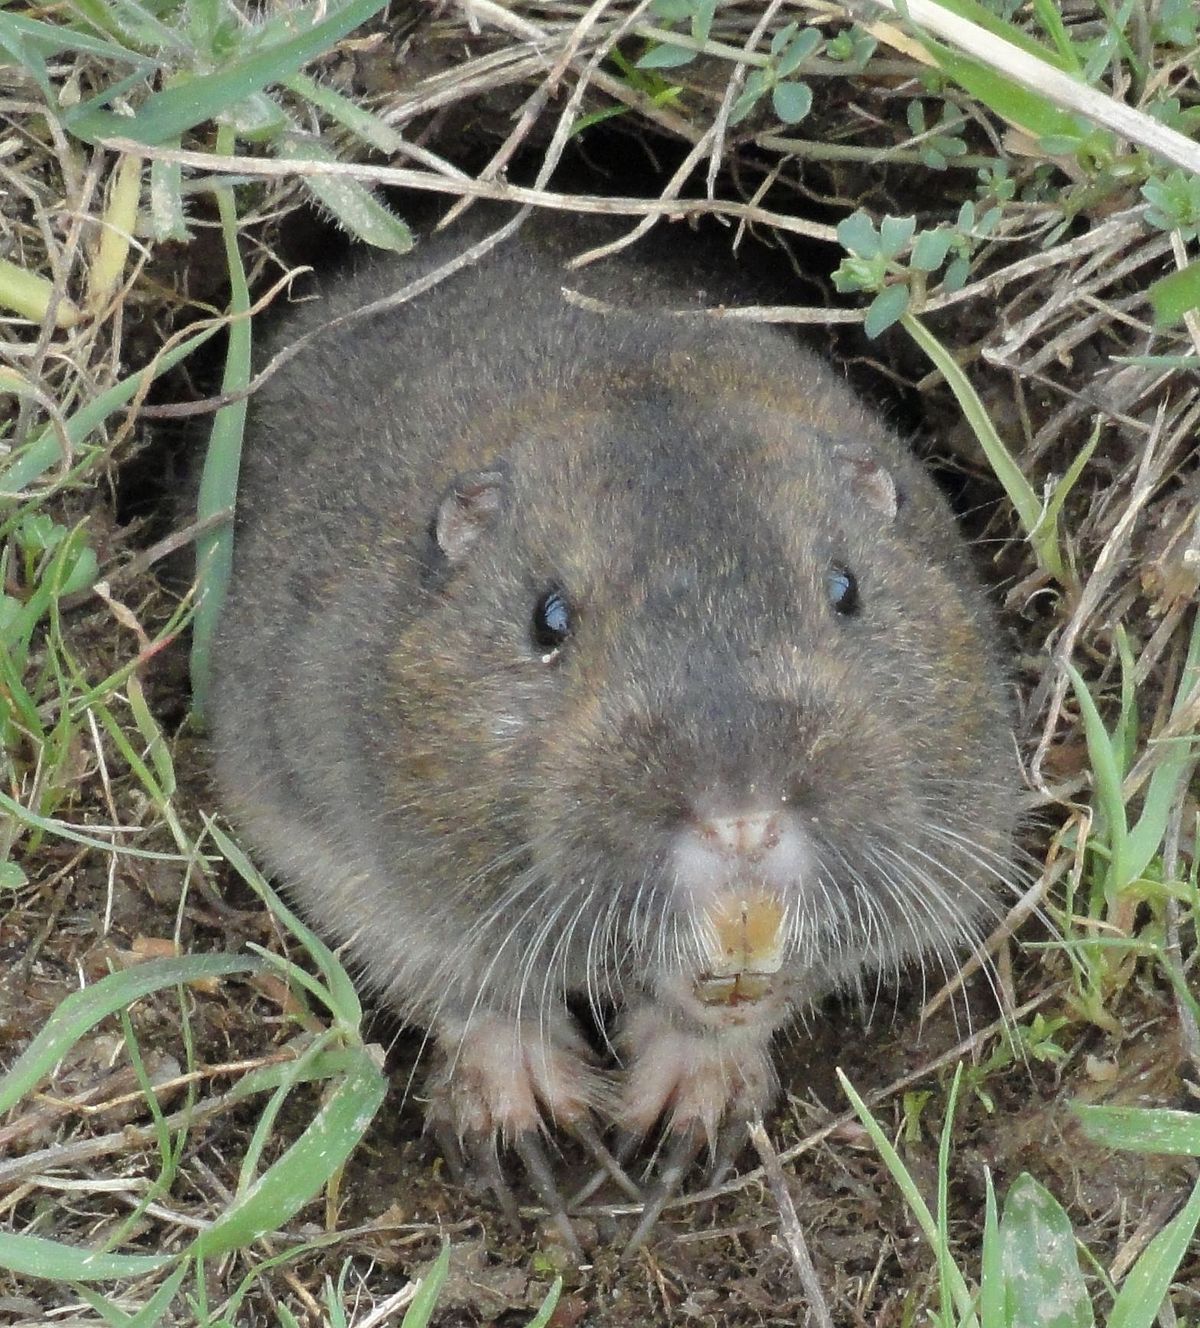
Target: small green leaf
(888,307)
(797,52)
(370,128)
(957,273)
(666,56)
(12,876)
(672,11)
(1175,295)
(350,201)
(857,235)
(792,101)
(257,118)
(895,234)
(930,250)
(780,40)
(702,18)
(756,85)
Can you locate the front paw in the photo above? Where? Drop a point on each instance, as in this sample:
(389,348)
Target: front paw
(697,1081)
(705,1086)
(500,1079)
(499,1082)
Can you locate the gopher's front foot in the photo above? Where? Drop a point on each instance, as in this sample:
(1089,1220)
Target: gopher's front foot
(705,1086)
(504,1083)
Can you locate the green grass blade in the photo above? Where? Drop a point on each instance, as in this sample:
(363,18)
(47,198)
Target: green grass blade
(1146,1286)
(1141,1129)
(265,1124)
(49,40)
(984,18)
(1042,535)
(219,479)
(312,1066)
(170,113)
(350,201)
(1051,21)
(303,1170)
(34,1256)
(1008,99)
(343,998)
(421,1310)
(912,1196)
(30,463)
(1107,774)
(82,1010)
(61,830)
(151,1313)
(942,1249)
(991,1265)
(548,1306)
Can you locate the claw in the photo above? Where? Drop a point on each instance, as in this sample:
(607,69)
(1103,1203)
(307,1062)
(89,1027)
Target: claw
(683,1152)
(485,1164)
(611,1167)
(450,1149)
(731,1139)
(541,1176)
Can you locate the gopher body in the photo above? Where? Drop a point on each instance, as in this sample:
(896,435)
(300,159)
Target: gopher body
(626,657)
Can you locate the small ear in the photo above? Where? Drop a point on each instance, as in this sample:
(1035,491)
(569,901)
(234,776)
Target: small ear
(467,509)
(870,481)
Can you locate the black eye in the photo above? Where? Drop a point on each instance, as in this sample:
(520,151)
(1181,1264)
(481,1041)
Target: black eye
(841,585)
(551,623)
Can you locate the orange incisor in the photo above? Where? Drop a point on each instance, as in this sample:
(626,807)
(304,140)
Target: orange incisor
(746,937)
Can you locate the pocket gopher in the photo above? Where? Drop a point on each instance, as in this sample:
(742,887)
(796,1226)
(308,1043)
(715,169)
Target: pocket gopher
(617,656)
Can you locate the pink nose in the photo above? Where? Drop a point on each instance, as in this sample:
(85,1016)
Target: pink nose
(747,837)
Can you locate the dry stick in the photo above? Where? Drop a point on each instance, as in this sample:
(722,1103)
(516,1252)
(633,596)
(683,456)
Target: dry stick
(505,193)
(1046,80)
(1029,903)
(789,1225)
(1105,568)
(1116,230)
(732,89)
(169,544)
(704,145)
(123,1140)
(536,104)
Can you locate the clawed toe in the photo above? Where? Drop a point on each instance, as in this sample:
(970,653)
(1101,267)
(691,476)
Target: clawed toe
(612,1164)
(731,1139)
(683,1151)
(538,1172)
